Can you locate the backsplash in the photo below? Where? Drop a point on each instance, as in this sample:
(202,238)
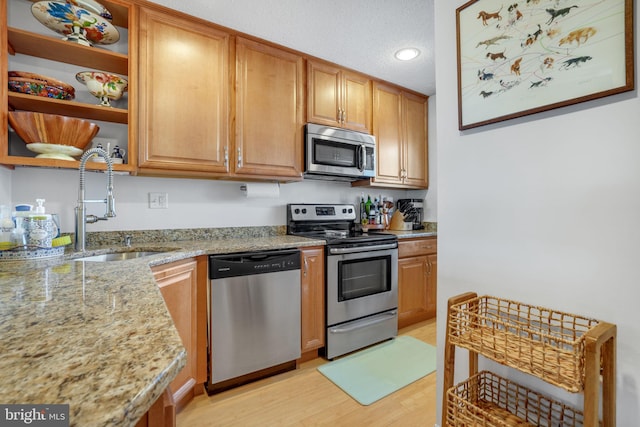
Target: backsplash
(117,238)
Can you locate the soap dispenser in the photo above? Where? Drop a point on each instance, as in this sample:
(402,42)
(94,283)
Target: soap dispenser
(6,227)
(40,226)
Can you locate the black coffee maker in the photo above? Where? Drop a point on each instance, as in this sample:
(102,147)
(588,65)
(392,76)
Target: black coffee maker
(413,211)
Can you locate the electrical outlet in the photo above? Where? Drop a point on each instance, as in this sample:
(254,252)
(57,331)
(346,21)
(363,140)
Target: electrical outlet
(158,200)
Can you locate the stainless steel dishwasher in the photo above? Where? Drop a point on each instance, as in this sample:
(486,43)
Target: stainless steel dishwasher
(254,315)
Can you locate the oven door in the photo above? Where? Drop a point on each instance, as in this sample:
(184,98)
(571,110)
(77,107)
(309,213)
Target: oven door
(361,282)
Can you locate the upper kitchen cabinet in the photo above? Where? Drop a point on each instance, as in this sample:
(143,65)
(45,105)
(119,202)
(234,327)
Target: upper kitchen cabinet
(338,97)
(400,128)
(30,47)
(184,96)
(269,114)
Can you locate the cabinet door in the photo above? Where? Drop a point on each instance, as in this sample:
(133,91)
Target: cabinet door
(312,310)
(338,97)
(269,111)
(184,95)
(179,286)
(323,104)
(412,290)
(415,141)
(387,128)
(356,102)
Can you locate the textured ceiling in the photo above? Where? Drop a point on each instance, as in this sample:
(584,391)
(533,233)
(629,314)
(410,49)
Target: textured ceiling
(358,34)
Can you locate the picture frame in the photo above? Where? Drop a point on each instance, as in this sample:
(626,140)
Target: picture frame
(522,57)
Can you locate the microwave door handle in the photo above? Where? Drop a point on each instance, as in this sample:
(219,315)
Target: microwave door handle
(362,157)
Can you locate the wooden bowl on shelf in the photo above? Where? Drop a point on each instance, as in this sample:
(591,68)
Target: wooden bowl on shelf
(53,136)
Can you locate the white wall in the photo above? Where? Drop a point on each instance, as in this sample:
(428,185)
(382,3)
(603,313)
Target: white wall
(5,186)
(193,203)
(545,210)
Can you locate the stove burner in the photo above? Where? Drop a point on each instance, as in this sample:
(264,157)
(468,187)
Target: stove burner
(334,223)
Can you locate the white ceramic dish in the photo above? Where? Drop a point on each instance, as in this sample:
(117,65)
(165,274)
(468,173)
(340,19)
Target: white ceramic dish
(104,86)
(54,151)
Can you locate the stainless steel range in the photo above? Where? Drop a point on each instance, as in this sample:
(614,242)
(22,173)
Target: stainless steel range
(361,276)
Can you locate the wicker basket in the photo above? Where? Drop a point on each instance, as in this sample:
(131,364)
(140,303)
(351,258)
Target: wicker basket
(548,344)
(487,400)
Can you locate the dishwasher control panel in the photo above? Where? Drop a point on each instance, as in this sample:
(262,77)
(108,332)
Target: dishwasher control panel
(248,263)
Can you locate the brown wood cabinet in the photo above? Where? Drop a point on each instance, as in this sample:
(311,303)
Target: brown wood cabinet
(206,101)
(338,97)
(312,298)
(161,414)
(269,113)
(417,280)
(400,128)
(40,43)
(183,285)
(184,96)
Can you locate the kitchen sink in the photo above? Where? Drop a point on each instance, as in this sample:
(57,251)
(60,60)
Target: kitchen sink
(119,256)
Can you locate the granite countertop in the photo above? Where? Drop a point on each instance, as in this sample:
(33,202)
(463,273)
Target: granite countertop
(97,335)
(412,234)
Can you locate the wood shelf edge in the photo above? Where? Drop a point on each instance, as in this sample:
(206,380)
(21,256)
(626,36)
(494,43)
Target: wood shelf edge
(20,101)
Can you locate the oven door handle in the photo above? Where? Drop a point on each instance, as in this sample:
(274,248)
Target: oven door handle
(375,320)
(340,251)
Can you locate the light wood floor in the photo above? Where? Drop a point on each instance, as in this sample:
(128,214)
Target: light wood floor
(304,397)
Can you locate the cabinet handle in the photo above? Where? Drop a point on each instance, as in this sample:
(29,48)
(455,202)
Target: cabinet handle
(239,157)
(428,268)
(306,266)
(342,116)
(226,158)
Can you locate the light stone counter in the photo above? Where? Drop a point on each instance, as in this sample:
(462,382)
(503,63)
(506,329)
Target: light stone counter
(412,234)
(97,335)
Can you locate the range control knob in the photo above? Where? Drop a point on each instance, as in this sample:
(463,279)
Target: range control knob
(304,210)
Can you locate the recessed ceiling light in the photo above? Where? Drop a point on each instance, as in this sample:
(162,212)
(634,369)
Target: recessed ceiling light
(407,54)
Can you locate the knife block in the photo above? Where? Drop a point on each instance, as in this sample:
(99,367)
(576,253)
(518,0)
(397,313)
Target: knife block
(397,222)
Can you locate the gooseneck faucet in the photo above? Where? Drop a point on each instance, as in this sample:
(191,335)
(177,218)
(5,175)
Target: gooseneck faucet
(82,219)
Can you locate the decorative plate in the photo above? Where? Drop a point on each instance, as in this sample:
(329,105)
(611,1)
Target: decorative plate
(39,85)
(75,22)
(93,7)
(20,254)
(54,151)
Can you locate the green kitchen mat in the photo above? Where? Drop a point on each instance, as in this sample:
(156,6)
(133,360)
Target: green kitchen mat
(378,371)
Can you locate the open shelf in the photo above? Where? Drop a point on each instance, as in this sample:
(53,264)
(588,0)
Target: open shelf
(20,101)
(32,44)
(63,164)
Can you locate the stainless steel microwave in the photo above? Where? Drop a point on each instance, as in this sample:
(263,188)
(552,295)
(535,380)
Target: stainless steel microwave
(338,154)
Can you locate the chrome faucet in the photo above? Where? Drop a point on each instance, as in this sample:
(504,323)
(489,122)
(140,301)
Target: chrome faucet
(82,219)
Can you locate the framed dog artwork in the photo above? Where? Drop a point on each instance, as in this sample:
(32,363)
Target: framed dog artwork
(526,56)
